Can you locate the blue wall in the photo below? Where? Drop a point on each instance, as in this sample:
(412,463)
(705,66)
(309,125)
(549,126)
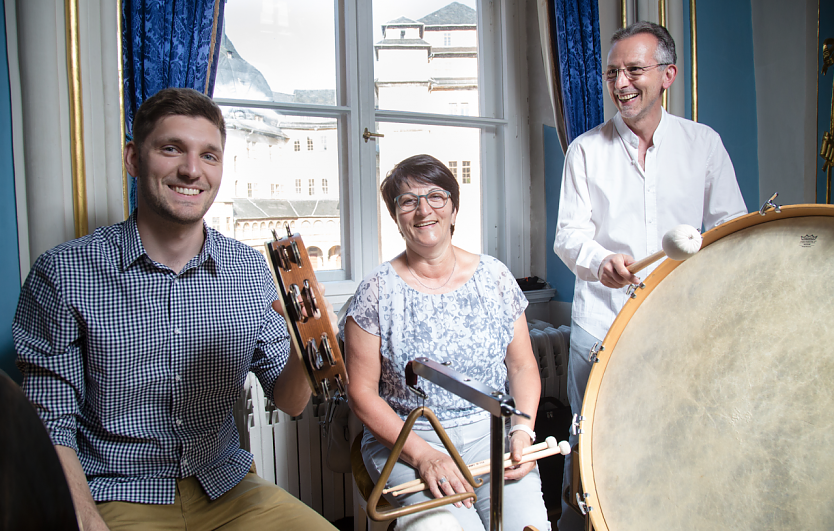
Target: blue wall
(826,31)
(727,86)
(726,102)
(10,257)
(558,274)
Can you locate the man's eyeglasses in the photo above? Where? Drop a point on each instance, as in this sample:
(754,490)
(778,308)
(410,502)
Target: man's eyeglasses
(631,72)
(408,202)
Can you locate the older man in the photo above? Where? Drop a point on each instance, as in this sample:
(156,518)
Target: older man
(625,183)
(134,343)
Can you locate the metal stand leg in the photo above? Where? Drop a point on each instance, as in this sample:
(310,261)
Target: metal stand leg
(496,474)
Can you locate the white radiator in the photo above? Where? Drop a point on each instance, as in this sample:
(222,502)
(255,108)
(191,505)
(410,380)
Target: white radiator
(290,452)
(551,346)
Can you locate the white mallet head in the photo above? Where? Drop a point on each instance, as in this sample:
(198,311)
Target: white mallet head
(564,447)
(681,242)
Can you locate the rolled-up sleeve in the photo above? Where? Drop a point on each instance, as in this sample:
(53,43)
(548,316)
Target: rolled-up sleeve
(48,337)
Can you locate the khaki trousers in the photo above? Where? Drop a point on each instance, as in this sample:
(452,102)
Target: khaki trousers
(254,503)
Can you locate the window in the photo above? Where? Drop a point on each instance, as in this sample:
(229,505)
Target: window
(248,189)
(348,81)
(273,190)
(215,222)
(453,167)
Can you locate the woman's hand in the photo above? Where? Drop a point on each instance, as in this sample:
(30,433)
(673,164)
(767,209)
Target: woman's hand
(518,442)
(442,476)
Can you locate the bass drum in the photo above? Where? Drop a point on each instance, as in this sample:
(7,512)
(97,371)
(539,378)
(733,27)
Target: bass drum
(712,403)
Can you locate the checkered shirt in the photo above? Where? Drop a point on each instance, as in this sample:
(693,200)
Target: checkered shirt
(137,367)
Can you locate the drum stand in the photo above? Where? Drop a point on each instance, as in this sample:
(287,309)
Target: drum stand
(497,403)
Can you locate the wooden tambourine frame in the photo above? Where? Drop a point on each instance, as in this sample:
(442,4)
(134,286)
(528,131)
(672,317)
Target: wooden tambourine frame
(311,332)
(586,458)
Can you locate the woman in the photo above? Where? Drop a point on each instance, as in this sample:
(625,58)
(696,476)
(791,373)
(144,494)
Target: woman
(438,301)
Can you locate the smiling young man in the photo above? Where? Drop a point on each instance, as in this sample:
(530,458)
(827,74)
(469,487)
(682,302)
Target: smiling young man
(627,182)
(135,341)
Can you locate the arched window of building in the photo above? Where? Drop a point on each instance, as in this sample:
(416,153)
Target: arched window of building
(316,257)
(334,257)
(246,234)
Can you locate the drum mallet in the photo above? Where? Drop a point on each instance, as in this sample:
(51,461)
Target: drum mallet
(678,244)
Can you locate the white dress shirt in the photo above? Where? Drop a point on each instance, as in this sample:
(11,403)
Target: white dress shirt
(610,205)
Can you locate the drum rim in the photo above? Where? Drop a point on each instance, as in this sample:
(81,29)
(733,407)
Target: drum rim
(608,346)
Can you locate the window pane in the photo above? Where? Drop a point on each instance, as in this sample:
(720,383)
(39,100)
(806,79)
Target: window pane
(264,178)
(269,47)
(446,144)
(426,55)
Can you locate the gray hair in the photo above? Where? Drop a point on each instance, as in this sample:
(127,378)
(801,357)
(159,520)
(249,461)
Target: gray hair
(665,52)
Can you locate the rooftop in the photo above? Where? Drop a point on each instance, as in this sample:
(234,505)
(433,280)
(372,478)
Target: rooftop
(454,13)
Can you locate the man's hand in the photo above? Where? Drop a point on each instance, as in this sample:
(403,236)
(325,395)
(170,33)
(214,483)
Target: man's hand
(613,272)
(88,516)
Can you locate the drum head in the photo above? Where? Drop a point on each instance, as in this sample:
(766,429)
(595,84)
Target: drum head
(713,406)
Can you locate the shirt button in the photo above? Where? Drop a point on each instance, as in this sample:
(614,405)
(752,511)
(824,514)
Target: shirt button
(177,330)
(178,378)
(179,422)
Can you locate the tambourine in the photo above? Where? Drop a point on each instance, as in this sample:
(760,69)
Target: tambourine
(310,328)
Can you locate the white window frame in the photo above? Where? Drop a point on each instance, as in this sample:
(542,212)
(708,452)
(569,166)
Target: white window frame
(502,120)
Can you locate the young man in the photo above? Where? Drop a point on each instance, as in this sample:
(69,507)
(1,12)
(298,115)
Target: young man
(135,341)
(624,185)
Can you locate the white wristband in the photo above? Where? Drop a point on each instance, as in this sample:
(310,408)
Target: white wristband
(525,429)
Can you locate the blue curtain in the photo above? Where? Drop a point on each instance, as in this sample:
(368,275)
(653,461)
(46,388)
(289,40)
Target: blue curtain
(577,61)
(168,43)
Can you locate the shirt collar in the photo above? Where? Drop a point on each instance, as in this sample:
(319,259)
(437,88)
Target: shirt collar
(631,138)
(133,250)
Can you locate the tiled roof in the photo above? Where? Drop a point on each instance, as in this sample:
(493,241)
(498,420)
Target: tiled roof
(454,13)
(250,208)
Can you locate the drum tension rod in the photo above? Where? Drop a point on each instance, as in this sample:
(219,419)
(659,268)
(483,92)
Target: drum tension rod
(596,349)
(767,205)
(574,425)
(633,288)
(581,501)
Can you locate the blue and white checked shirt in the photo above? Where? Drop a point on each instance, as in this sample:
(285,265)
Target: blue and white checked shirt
(137,367)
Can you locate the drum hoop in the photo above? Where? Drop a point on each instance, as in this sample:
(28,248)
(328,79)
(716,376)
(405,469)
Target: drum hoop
(586,458)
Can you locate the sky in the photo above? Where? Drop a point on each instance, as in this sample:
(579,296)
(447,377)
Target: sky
(292,42)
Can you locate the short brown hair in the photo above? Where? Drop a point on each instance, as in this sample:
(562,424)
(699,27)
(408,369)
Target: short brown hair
(175,102)
(419,169)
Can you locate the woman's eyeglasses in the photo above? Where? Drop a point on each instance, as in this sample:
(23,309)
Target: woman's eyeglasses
(408,202)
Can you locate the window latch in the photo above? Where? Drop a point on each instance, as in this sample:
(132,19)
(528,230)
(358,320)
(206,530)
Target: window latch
(367,135)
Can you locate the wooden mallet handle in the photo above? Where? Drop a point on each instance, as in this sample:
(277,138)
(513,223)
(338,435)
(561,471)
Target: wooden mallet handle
(640,265)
